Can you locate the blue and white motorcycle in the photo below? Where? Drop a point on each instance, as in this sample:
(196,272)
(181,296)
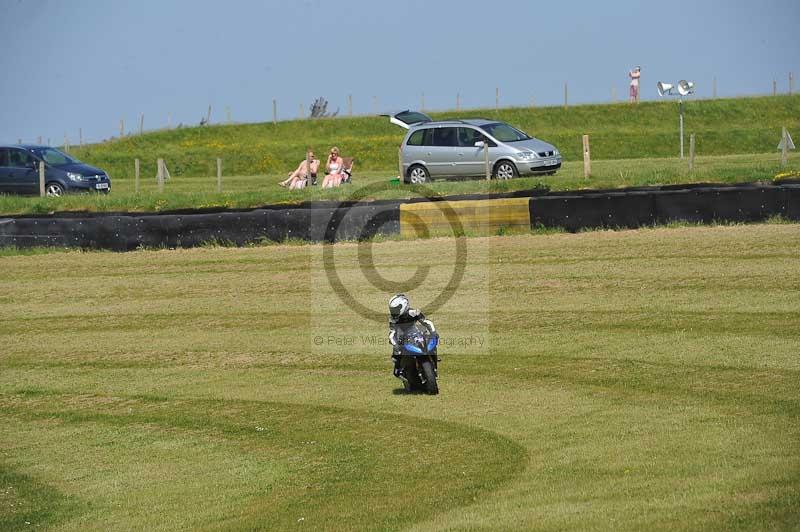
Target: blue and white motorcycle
(418,360)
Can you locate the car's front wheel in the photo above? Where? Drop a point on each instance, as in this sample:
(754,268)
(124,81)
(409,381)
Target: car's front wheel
(418,174)
(54,190)
(505,170)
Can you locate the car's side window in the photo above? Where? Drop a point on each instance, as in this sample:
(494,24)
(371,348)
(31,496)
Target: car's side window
(416,138)
(4,157)
(19,159)
(468,137)
(427,140)
(445,136)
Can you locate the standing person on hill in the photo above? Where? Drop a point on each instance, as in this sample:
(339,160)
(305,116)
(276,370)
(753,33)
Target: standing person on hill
(635,74)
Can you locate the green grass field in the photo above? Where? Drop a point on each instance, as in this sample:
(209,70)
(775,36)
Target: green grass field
(630,145)
(595,381)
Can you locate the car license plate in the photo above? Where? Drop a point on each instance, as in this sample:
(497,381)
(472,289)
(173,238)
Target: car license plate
(101,186)
(550,163)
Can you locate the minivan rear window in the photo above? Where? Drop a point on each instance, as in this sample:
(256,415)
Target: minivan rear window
(412,117)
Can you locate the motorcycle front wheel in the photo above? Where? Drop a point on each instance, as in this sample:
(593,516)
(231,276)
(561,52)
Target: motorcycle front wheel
(429,374)
(411,381)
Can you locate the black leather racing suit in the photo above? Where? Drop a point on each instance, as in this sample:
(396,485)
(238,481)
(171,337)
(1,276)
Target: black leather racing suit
(397,328)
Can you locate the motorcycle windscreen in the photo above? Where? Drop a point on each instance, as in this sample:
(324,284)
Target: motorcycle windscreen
(432,343)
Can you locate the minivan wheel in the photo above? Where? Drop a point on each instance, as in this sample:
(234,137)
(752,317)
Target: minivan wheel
(54,190)
(505,170)
(418,175)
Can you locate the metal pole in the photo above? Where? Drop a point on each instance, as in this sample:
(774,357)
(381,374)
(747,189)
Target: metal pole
(681,126)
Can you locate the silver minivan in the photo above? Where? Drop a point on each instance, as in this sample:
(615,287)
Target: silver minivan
(457,148)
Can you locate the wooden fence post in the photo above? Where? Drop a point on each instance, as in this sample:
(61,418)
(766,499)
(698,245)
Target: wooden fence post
(136,176)
(160,175)
(41,179)
(784,148)
(486,159)
(400,163)
(219,175)
(691,152)
(274,111)
(587,159)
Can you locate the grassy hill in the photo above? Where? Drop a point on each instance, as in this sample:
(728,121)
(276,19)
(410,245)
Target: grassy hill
(618,131)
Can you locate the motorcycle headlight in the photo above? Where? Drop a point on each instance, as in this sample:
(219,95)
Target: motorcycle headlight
(74,177)
(526,155)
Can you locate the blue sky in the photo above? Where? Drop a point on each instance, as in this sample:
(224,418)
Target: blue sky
(88,63)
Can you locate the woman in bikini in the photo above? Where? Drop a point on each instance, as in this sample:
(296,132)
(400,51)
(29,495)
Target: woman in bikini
(334,169)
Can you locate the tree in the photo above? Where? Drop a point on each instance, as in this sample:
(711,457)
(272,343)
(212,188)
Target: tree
(319,109)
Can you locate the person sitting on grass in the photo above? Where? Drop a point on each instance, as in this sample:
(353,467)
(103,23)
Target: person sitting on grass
(334,168)
(299,178)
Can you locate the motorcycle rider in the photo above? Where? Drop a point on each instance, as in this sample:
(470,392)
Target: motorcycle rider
(401,316)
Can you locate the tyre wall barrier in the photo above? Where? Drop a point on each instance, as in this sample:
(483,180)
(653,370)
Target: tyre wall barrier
(124,233)
(355,221)
(637,209)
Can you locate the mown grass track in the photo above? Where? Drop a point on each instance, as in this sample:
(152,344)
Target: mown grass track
(626,380)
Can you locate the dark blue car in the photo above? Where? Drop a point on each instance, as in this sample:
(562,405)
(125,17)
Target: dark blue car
(19,172)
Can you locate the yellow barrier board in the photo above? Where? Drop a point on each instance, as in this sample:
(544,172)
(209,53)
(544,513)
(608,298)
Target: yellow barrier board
(442,218)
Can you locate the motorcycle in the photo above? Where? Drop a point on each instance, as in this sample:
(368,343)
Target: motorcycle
(418,360)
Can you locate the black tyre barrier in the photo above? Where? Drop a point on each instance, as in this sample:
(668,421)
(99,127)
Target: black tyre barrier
(633,209)
(330,221)
(125,233)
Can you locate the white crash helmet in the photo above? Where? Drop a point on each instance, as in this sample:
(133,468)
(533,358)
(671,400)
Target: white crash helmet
(398,305)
